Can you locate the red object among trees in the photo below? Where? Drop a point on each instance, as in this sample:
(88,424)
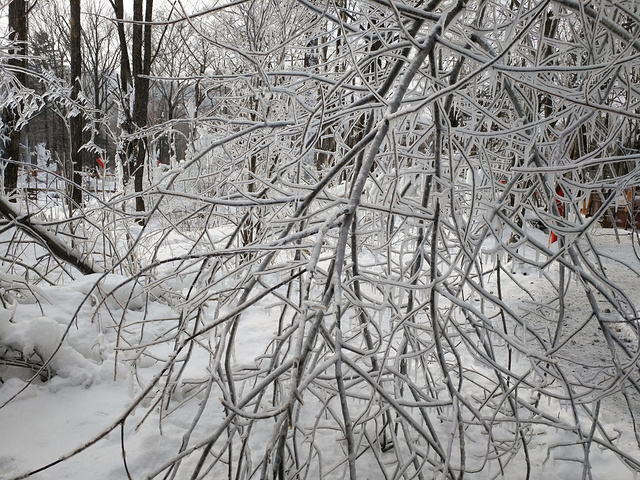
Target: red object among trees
(552,236)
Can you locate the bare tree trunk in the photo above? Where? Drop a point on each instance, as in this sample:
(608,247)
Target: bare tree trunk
(17,60)
(126,83)
(141,58)
(76,121)
(136,75)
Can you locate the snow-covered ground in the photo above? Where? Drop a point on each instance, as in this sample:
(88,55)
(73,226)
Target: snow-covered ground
(101,358)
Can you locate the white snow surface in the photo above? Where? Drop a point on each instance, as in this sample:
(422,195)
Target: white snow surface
(93,376)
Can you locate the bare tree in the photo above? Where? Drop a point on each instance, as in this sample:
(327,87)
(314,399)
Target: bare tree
(402,186)
(17,62)
(135,69)
(76,121)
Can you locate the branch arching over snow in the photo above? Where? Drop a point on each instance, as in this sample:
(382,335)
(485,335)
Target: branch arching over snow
(47,239)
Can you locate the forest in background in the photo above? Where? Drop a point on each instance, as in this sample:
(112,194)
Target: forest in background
(374,175)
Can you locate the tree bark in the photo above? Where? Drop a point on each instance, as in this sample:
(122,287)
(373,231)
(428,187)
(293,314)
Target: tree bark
(76,121)
(135,74)
(18,63)
(141,71)
(126,85)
